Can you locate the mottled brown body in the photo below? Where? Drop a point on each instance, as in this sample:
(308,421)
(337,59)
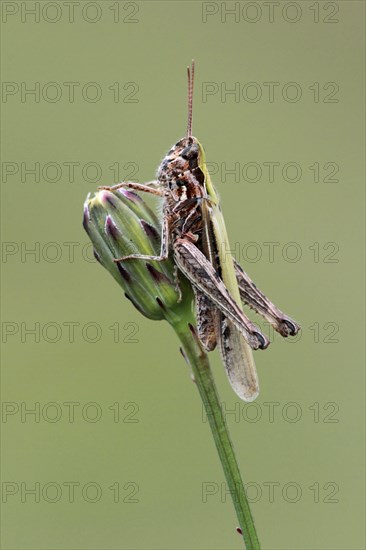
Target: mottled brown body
(187,216)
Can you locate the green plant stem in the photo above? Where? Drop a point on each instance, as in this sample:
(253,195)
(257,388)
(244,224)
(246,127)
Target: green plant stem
(199,363)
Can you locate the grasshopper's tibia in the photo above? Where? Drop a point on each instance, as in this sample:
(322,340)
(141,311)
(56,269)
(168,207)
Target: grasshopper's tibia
(255,299)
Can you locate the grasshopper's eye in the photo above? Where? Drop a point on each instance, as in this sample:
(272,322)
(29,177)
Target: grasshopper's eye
(190,152)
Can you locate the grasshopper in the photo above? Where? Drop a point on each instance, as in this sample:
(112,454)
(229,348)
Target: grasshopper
(193,230)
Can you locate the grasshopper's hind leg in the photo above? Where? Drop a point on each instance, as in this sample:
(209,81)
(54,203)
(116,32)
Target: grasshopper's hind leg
(205,279)
(255,299)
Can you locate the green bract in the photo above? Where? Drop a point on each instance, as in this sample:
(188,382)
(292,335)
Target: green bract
(120,223)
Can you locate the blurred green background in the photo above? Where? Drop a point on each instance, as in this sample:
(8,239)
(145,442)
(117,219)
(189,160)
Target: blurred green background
(137,449)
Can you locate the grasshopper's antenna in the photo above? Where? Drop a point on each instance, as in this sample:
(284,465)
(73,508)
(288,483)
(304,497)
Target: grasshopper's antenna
(190,75)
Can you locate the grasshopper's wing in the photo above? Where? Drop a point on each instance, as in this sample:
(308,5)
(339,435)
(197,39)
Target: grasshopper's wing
(236,353)
(238,360)
(254,298)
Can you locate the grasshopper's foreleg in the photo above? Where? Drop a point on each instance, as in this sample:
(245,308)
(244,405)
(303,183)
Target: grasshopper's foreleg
(255,299)
(203,276)
(151,187)
(164,251)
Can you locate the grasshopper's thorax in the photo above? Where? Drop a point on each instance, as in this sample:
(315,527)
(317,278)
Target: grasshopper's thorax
(180,173)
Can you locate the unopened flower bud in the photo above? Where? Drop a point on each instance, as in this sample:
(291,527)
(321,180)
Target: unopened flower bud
(120,223)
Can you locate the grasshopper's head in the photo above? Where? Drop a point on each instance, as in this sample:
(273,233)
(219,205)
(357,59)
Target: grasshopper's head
(184,155)
(182,164)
